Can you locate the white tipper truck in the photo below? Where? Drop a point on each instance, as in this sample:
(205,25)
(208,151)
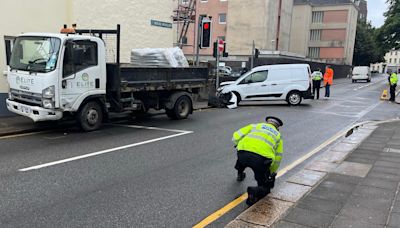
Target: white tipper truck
(52,76)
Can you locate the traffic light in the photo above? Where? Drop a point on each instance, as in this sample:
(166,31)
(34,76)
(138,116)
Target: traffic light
(205,39)
(257,53)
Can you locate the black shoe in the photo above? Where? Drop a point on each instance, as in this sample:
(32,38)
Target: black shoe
(241,176)
(252,196)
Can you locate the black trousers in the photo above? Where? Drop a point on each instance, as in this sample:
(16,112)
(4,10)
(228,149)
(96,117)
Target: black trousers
(316,87)
(392,92)
(259,164)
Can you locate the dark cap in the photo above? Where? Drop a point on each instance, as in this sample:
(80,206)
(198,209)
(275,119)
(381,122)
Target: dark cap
(274,120)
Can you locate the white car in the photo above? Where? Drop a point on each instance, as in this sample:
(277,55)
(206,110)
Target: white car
(289,82)
(361,73)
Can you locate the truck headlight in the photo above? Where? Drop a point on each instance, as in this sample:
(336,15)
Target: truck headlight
(48,103)
(48,93)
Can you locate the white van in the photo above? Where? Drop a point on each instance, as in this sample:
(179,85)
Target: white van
(361,73)
(289,82)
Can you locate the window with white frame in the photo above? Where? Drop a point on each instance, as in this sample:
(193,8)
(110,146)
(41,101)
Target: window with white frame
(184,1)
(315,35)
(313,52)
(317,17)
(222,18)
(203,1)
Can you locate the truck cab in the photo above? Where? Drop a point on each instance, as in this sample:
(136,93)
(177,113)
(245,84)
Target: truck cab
(53,73)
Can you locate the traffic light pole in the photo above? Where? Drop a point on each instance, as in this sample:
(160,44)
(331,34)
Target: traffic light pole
(217,75)
(198,40)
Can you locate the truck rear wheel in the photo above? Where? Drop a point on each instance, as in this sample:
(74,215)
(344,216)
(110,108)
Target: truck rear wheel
(182,108)
(90,117)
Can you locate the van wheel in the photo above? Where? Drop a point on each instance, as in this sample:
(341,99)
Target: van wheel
(294,98)
(352,81)
(90,116)
(368,80)
(182,108)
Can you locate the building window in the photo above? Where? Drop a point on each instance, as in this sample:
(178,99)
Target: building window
(204,1)
(315,34)
(184,40)
(185,1)
(390,60)
(313,52)
(317,17)
(222,18)
(9,42)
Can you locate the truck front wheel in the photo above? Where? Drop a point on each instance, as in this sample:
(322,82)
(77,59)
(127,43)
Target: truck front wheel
(90,116)
(182,108)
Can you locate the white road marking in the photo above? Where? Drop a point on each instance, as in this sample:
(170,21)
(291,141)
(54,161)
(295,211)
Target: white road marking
(152,128)
(179,133)
(367,110)
(369,84)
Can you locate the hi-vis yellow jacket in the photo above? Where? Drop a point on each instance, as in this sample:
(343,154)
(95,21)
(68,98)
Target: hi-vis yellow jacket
(393,79)
(263,139)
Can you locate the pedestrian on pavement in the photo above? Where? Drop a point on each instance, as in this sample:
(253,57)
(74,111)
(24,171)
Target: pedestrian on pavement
(259,147)
(328,80)
(316,78)
(393,83)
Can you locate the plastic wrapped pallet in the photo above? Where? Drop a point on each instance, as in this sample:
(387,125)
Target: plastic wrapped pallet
(159,57)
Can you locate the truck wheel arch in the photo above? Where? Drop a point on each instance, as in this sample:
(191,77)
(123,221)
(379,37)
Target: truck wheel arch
(174,97)
(100,100)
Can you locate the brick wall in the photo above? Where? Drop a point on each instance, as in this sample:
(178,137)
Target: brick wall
(335,16)
(333,35)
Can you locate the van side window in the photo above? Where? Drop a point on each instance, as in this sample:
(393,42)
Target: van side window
(256,77)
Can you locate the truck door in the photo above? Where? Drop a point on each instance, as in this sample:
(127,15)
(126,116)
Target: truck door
(80,74)
(253,87)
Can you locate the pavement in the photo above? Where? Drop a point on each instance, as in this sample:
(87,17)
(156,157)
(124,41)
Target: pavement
(354,184)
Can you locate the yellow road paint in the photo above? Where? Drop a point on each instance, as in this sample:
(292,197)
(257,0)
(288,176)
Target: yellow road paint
(218,214)
(22,135)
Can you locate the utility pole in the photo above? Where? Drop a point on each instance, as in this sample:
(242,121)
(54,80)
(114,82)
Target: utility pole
(252,55)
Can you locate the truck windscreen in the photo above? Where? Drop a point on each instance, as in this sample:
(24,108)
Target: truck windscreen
(35,54)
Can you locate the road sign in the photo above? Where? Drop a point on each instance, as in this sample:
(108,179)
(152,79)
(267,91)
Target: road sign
(221,46)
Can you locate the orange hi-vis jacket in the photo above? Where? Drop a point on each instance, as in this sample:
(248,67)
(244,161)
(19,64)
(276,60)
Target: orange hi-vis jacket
(328,76)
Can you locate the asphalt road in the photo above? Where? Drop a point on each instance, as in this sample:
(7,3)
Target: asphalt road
(171,176)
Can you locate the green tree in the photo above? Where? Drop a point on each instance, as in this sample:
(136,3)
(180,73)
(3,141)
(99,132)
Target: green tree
(367,49)
(389,33)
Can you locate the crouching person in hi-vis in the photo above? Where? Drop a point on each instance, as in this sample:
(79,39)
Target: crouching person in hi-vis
(260,148)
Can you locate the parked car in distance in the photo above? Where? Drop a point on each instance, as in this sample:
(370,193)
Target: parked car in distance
(225,70)
(361,73)
(289,82)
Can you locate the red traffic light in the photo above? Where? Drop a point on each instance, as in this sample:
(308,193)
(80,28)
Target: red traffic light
(206,26)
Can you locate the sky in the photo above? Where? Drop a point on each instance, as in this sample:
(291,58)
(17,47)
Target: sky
(376,8)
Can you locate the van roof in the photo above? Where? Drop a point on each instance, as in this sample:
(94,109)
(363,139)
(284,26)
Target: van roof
(280,66)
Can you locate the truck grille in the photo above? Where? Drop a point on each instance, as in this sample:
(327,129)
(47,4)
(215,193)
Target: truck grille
(27,97)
